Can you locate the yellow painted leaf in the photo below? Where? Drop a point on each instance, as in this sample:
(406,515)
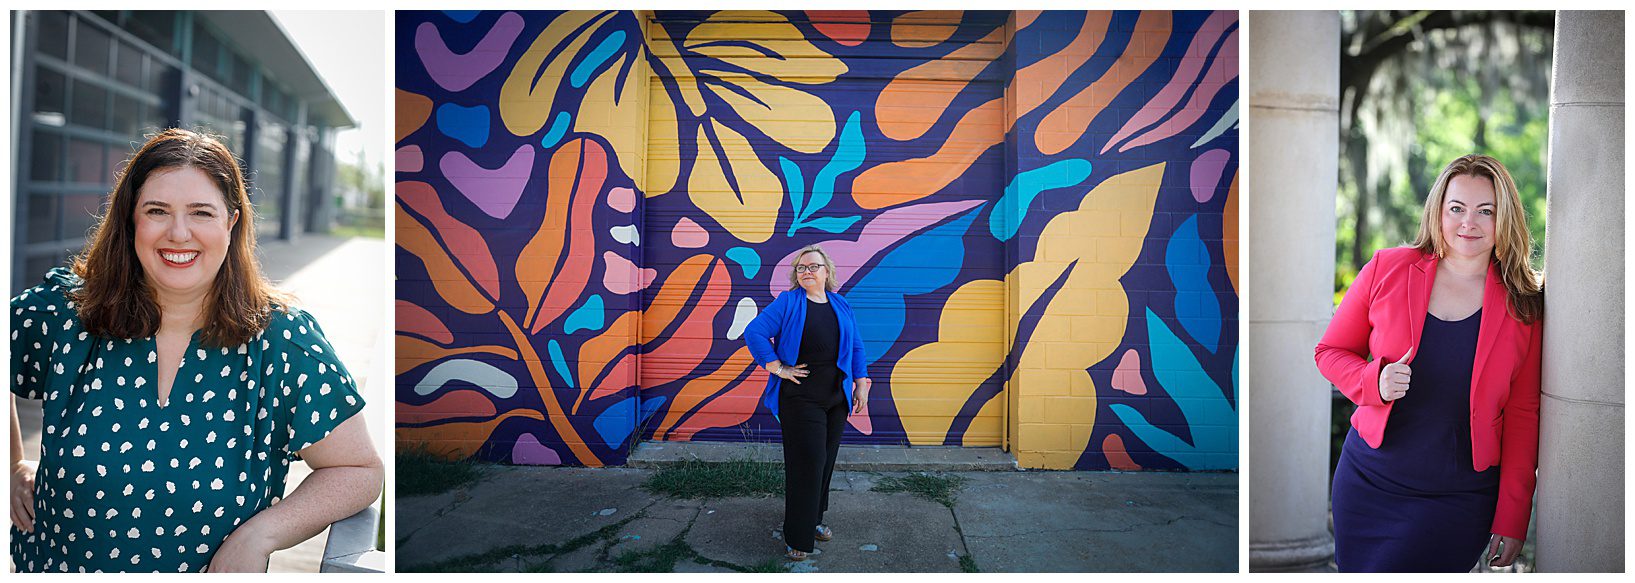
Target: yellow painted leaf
(663,142)
(607,110)
(932,382)
(1085,320)
(925,28)
(528,94)
(794,118)
(749,211)
(792,57)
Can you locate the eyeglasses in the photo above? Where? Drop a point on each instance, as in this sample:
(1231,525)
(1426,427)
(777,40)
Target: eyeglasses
(808,267)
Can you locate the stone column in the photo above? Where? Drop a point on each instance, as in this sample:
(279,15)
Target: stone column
(1294,144)
(1580,498)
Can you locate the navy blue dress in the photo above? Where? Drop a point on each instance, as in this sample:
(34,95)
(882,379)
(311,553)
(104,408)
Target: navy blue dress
(1416,504)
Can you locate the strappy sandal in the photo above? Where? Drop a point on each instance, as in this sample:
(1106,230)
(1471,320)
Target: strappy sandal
(794,555)
(824,533)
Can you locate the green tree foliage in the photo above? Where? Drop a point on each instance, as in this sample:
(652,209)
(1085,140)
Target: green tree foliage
(1420,88)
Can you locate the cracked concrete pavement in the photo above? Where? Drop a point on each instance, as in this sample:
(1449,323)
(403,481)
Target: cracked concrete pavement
(1004,521)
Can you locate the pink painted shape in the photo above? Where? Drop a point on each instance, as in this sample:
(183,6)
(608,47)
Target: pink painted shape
(615,382)
(688,235)
(456,72)
(1206,173)
(862,421)
(410,159)
(413,319)
(1224,67)
(495,191)
(457,404)
(882,231)
(622,199)
(623,277)
(1127,377)
(846,27)
(529,451)
(1185,75)
(464,243)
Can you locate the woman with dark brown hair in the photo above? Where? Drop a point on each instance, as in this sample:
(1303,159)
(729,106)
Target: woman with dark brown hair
(178,386)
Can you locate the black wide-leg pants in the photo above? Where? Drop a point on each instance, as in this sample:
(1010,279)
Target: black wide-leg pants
(813,416)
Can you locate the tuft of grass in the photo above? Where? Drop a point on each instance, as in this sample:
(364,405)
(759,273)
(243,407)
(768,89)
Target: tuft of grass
(768,566)
(936,488)
(660,559)
(967,563)
(420,474)
(696,479)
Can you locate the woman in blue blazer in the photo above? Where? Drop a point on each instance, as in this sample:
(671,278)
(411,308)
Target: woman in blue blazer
(812,326)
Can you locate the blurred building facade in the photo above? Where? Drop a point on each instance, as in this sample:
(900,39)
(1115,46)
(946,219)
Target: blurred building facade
(89,85)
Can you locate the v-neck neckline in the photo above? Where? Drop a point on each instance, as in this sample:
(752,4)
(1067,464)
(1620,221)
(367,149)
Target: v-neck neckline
(181,365)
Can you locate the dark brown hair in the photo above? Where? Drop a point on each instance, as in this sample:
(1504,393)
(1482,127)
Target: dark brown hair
(115,300)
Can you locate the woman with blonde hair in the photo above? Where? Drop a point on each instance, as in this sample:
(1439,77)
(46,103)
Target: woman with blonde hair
(812,326)
(1441,339)
(178,386)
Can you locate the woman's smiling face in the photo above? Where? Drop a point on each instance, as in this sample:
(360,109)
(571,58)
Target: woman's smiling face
(1469,216)
(183,230)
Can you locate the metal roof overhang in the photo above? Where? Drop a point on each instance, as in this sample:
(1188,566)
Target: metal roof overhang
(260,38)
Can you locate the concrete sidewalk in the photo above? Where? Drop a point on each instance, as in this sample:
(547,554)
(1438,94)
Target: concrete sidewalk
(582,519)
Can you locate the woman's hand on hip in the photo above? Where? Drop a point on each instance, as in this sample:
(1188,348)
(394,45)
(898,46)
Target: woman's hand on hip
(1502,550)
(792,374)
(1394,378)
(860,394)
(22,495)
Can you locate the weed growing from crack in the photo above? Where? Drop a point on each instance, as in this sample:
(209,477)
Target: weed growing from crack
(419,473)
(477,562)
(936,488)
(696,479)
(967,563)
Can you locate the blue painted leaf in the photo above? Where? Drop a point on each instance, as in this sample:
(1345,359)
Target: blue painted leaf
(1211,418)
(615,423)
(1187,260)
(922,264)
(833,224)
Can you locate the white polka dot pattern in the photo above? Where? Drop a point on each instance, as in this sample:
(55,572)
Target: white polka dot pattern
(127,485)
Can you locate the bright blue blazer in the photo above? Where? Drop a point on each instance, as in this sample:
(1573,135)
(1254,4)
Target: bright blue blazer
(775,333)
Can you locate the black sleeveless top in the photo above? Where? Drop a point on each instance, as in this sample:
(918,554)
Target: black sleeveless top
(820,338)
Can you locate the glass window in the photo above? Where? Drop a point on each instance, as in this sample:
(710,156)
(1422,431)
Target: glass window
(156,27)
(79,214)
(161,78)
(35,268)
(90,106)
(53,36)
(125,114)
(50,97)
(87,162)
(204,51)
(91,47)
(46,157)
(42,218)
(128,64)
(242,71)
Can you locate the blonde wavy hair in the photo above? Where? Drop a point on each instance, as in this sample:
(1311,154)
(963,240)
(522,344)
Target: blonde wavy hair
(1513,244)
(831,284)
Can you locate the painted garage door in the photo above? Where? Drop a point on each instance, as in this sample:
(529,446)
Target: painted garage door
(764,122)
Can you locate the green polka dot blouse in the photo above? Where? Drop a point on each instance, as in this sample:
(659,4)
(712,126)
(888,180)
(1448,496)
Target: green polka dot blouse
(127,485)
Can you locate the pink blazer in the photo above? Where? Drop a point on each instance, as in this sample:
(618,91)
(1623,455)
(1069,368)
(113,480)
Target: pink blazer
(1382,316)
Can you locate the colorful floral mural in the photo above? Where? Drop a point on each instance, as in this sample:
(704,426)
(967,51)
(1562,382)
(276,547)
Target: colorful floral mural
(1033,214)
